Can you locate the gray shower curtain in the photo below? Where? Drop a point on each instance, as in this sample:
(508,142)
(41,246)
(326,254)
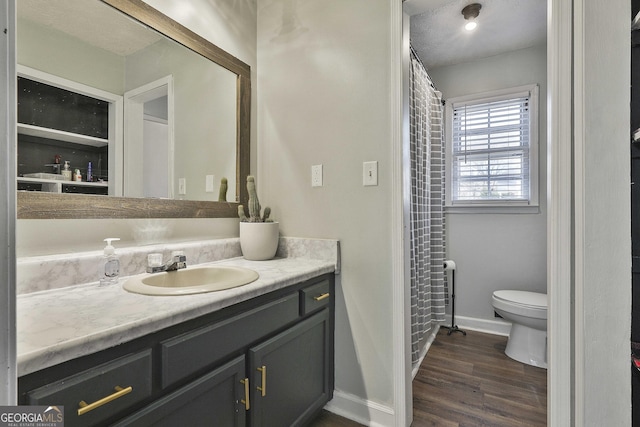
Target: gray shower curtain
(427,208)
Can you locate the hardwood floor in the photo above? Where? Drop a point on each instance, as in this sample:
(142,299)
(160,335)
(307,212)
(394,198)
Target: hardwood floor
(468,381)
(327,419)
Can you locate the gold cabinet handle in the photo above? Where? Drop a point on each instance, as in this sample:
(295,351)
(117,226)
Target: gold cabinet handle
(85,407)
(263,389)
(246,393)
(323,296)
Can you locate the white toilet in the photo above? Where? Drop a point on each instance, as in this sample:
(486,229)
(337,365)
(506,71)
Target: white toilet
(527,312)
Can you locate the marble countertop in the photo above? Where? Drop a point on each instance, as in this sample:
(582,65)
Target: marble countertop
(58,325)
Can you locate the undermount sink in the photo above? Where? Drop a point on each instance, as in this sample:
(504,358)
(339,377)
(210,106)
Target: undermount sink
(192,280)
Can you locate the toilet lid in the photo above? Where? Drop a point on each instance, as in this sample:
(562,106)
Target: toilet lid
(524,298)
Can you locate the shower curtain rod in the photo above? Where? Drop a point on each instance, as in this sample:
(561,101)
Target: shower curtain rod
(413,51)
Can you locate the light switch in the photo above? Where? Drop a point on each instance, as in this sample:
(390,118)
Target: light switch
(182,186)
(209,183)
(316,176)
(370,173)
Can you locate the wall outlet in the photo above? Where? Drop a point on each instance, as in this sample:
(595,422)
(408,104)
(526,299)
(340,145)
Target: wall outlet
(369,173)
(182,186)
(209,179)
(316,176)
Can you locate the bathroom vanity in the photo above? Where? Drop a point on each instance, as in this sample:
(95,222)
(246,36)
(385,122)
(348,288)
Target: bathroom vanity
(269,358)
(256,355)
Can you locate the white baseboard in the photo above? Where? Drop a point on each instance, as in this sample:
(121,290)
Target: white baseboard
(360,410)
(495,327)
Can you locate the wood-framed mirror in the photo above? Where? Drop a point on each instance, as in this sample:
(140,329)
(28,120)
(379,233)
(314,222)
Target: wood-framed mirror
(47,205)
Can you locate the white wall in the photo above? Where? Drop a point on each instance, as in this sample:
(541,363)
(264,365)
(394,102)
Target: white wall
(155,152)
(497,251)
(324,85)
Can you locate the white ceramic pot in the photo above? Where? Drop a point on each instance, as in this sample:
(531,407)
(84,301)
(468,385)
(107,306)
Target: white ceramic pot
(259,240)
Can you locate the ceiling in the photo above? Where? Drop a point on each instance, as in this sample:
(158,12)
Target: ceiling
(92,21)
(437,32)
(438,36)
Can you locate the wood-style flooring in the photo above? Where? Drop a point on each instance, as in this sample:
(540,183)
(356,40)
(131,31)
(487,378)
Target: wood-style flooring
(468,381)
(327,419)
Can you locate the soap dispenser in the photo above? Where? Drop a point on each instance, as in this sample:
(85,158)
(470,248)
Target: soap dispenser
(66,171)
(110,264)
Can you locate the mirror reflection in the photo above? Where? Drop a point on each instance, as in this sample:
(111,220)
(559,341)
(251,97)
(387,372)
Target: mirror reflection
(128,111)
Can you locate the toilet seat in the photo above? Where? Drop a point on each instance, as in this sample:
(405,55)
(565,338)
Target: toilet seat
(523,303)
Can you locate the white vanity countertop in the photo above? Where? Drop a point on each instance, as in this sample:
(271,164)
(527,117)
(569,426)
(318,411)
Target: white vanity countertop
(58,325)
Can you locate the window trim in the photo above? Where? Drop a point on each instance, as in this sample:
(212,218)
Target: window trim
(497,205)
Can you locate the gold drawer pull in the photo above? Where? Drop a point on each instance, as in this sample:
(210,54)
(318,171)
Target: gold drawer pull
(86,407)
(263,389)
(323,296)
(246,393)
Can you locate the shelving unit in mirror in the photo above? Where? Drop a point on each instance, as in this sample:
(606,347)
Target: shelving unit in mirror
(62,122)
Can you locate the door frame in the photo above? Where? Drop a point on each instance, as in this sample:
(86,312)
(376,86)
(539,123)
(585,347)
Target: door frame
(559,212)
(8,373)
(134,100)
(560,376)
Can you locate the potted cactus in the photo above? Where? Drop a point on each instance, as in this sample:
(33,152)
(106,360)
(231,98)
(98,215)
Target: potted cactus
(259,234)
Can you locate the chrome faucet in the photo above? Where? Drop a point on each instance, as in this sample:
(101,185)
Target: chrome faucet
(178,261)
(55,166)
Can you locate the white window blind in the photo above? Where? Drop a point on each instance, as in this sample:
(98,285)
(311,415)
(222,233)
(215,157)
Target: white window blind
(491,146)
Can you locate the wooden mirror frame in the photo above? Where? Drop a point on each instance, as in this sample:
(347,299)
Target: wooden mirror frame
(39,205)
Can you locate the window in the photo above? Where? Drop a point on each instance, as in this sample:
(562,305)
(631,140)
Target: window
(492,153)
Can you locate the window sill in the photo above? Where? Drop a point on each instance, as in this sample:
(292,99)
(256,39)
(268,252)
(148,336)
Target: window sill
(484,209)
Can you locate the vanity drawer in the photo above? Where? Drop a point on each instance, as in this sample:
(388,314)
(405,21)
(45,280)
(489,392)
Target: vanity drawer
(95,395)
(189,353)
(314,297)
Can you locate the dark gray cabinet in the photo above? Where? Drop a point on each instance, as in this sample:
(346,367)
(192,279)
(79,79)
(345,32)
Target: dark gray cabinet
(211,400)
(190,352)
(291,374)
(264,362)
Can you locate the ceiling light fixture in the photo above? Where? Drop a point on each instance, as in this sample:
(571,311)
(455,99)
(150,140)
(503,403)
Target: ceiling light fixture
(470,13)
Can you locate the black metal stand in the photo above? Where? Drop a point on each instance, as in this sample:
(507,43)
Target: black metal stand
(453,328)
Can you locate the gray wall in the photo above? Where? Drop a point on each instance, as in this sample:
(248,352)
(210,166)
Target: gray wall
(323,75)
(205,114)
(230,25)
(497,251)
(59,54)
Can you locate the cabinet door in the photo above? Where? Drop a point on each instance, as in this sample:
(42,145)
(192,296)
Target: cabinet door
(215,399)
(290,374)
